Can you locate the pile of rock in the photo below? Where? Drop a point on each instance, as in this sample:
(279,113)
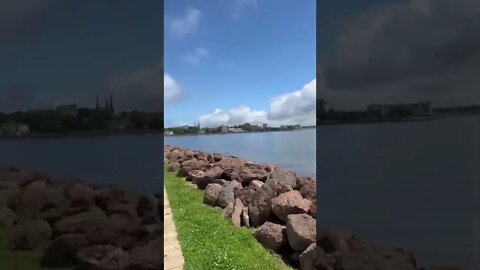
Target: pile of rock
(81,225)
(278,203)
(282,208)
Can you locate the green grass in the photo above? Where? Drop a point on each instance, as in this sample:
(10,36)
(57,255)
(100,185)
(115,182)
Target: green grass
(207,240)
(19,260)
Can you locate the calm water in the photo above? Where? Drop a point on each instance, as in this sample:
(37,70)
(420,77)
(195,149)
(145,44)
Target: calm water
(128,160)
(293,150)
(411,185)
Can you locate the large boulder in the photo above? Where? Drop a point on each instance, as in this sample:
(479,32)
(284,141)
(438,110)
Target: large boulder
(226,195)
(260,208)
(173,166)
(147,257)
(307,258)
(301,231)
(213,173)
(315,258)
(237,213)
(256,184)
(247,175)
(191,163)
(81,197)
(246,195)
(29,234)
(290,203)
(108,197)
(102,257)
(274,187)
(210,196)
(285,177)
(147,210)
(19,177)
(7,216)
(336,241)
(236,185)
(90,221)
(228,211)
(9,194)
(61,252)
(183,171)
(308,189)
(272,236)
(38,201)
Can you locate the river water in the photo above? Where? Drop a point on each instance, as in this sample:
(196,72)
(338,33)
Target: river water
(293,150)
(133,161)
(410,185)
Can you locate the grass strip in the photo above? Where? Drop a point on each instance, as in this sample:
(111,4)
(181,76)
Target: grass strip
(207,240)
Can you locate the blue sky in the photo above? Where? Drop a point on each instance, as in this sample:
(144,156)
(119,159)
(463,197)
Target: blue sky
(234,54)
(54,52)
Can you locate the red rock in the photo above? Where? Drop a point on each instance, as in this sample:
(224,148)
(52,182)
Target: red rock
(301,231)
(290,203)
(272,236)
(237,212)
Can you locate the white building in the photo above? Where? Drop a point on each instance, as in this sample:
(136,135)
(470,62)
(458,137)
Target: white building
(14,129)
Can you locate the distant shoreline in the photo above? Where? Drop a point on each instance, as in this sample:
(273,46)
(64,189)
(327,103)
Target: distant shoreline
(100,133)
(380,121)
(231,133)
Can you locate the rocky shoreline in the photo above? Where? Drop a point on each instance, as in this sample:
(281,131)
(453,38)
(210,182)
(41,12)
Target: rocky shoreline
(281,208)
(78,225)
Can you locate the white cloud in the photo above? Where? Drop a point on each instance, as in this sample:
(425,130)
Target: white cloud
(185,24)
(232,117)
(298,107)
(172,89)
(196,56)
(239,5)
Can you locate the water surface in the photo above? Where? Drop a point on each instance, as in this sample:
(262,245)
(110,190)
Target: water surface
(293,150)
(128,160)
(411,185)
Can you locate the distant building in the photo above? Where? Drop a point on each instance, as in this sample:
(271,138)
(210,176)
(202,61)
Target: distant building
(235,130)
(413,109)
(265,126)
(119,124)
(14,129)
(251,128)
(288,127)
(223,129)
(68,110)
(168,133)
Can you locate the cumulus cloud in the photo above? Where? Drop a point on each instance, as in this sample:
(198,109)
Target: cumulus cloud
(185,24)
(418,50)
(138,90)
(196,56)
(172,89)
(240,5)
(298,107)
